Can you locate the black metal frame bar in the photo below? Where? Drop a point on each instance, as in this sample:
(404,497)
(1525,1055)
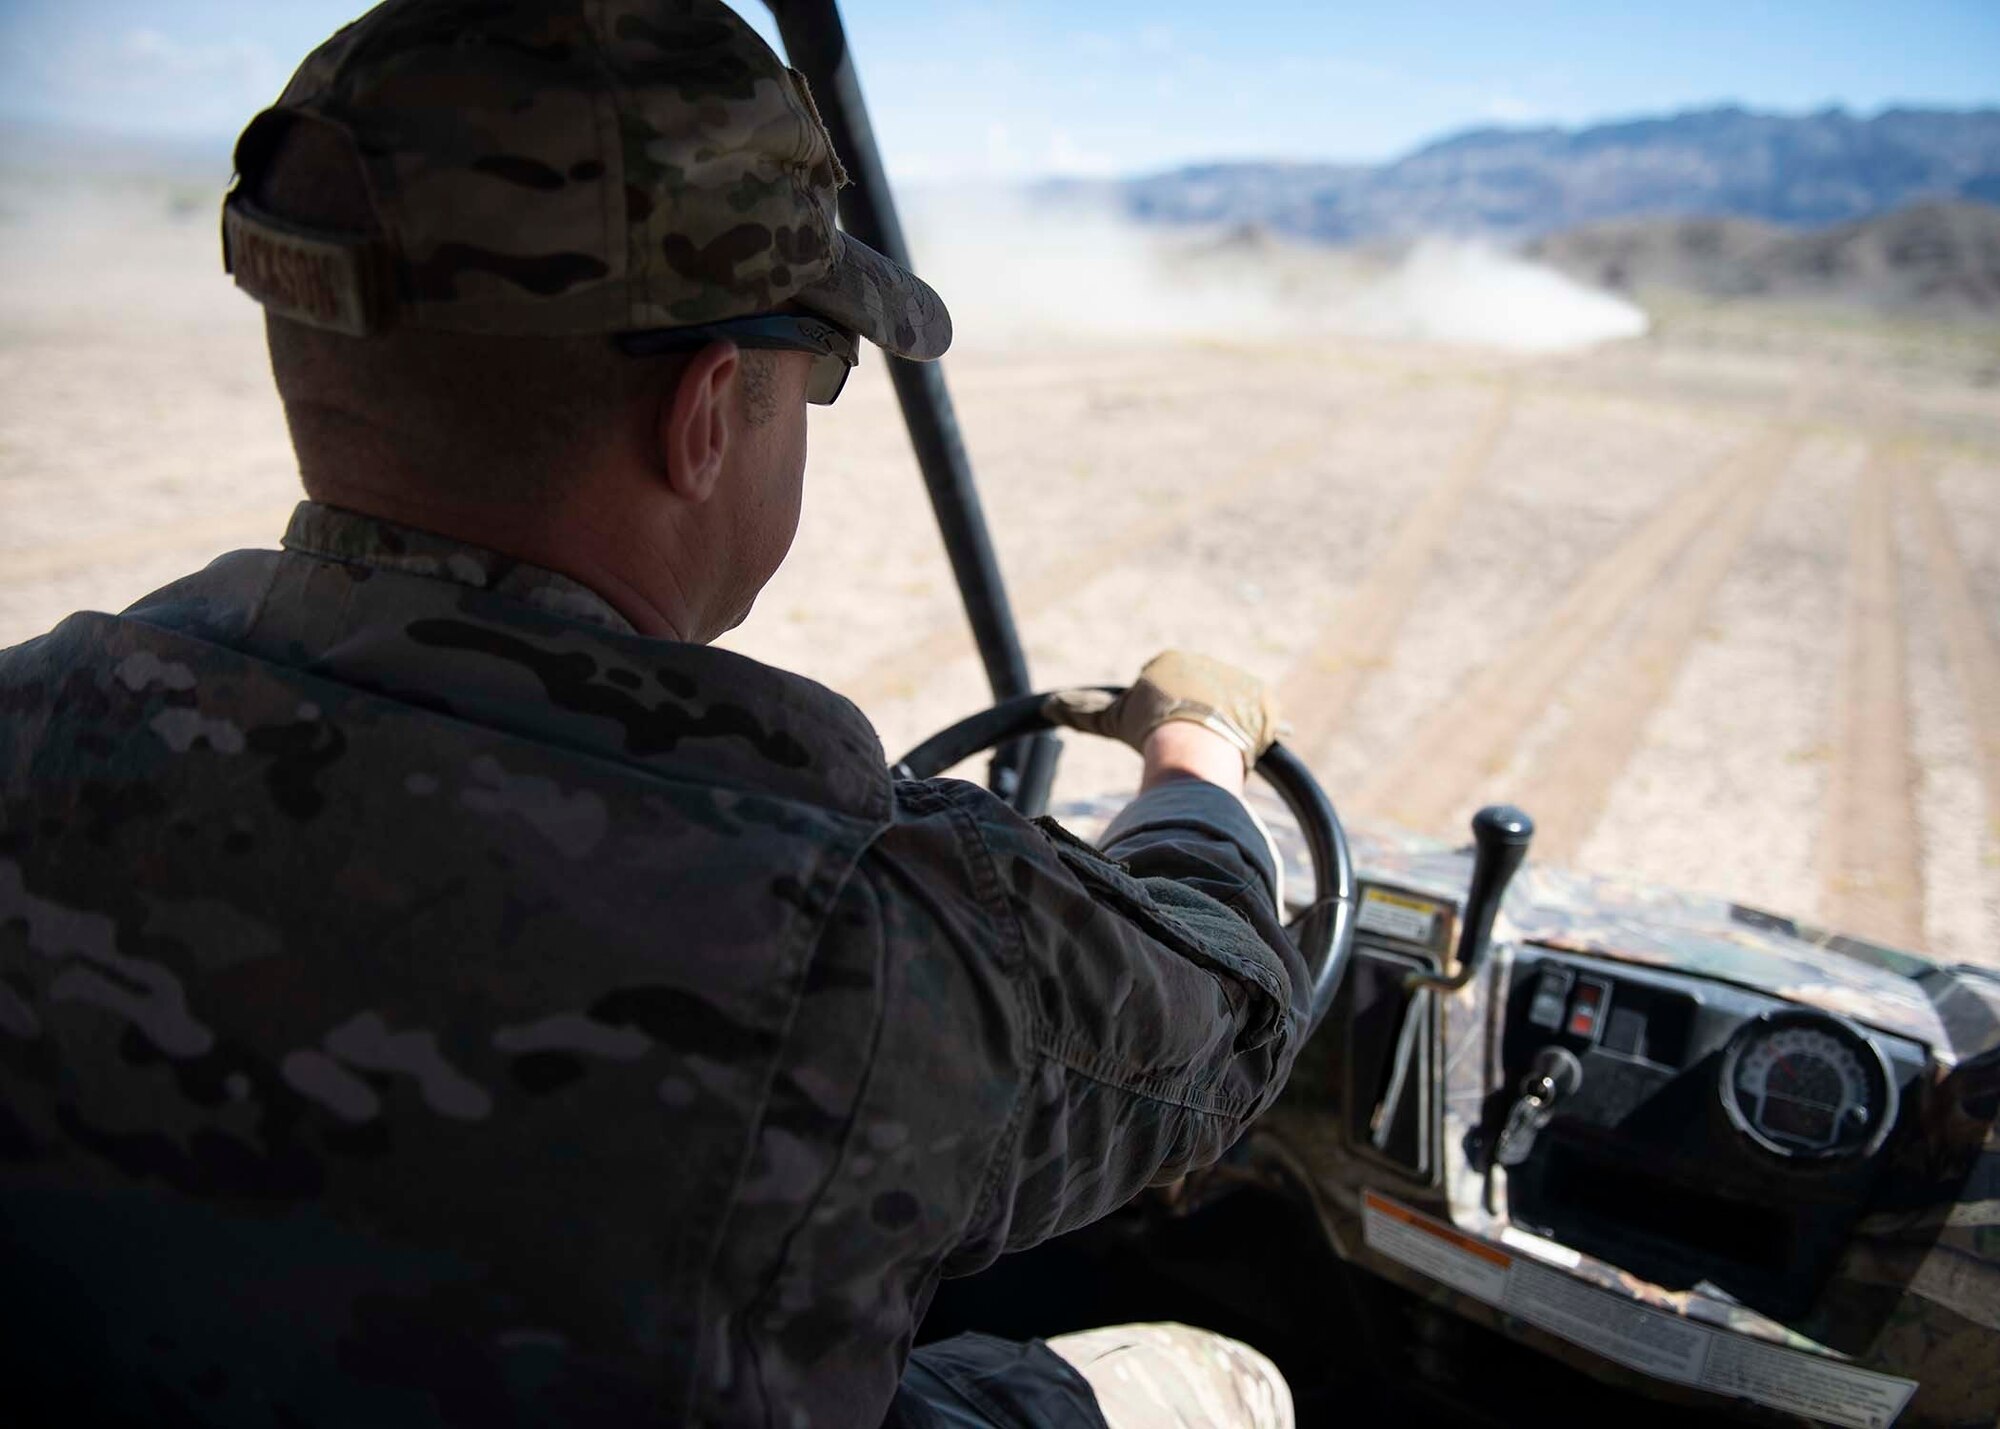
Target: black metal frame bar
(816,45)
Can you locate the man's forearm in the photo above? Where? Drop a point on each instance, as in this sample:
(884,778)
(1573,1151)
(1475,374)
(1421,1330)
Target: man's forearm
(1181,749)
(1189,820)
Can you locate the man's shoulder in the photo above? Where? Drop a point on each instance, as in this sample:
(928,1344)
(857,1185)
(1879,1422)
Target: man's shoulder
(259,633)
(61,678)
(141,748)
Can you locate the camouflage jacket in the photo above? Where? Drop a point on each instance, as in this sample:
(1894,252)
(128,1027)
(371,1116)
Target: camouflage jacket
(424,1000)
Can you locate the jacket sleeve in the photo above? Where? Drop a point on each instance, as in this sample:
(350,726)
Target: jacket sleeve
(1161,1005)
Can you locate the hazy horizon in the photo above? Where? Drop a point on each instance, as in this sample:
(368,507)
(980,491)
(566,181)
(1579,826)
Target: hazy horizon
(197,149)
(1032,88)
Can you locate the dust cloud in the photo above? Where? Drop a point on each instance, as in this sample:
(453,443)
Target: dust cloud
(138,243)
(1014,269)
(96,236)
(1468,293)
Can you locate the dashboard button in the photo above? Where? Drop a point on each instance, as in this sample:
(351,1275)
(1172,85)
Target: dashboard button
(1551,994)
(1586,1011)
(1625,1031)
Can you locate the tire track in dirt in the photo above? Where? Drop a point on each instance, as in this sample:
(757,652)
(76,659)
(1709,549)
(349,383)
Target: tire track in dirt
(1569,784)
(40,562)
(1356,642)
(1473,735)
(896,673)
(1969,637)
(1870,852)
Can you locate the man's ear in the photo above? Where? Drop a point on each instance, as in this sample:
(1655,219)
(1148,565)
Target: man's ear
(696,423)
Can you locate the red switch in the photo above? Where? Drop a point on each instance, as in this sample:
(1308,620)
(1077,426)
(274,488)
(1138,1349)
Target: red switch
(1587,1010)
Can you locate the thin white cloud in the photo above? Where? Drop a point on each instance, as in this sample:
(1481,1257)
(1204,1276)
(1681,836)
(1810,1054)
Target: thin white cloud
(231,61)
(148,80)
(1511,109)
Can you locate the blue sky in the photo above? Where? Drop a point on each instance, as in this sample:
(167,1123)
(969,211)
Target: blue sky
(983,90)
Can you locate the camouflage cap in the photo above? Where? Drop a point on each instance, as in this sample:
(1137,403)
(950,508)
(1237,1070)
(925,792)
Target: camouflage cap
(567,167)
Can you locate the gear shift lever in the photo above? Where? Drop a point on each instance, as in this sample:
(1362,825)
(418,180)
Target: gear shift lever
(1500,836)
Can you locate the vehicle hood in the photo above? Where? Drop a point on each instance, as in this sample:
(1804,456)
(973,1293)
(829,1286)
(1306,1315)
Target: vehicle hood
(1694,933)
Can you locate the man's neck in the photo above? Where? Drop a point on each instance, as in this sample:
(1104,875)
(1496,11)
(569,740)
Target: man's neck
(631,571)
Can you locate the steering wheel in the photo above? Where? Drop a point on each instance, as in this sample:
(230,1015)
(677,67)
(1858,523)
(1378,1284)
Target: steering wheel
(1323,931)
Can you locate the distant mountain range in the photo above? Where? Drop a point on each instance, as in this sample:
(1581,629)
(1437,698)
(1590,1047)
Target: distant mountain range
(1800,171)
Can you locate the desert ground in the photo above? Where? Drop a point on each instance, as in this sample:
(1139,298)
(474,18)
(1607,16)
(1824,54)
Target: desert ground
(1719,605)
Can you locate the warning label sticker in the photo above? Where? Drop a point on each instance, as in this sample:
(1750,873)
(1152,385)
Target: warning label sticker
(1397,915)
(1641,1337)
(1460,1261)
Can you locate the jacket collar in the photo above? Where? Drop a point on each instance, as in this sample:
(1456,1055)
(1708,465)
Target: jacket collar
(335,534)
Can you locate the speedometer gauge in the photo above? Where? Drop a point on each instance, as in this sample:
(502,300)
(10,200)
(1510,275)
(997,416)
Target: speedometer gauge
(1803,1084)
(1800,1085)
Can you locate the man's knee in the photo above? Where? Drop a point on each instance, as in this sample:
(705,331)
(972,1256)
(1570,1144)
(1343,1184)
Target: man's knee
(1152,1376)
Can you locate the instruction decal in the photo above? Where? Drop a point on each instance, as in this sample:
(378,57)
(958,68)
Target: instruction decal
(1397,915)
(1639,1336)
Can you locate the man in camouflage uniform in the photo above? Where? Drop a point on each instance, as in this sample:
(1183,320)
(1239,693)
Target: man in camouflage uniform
(437,988)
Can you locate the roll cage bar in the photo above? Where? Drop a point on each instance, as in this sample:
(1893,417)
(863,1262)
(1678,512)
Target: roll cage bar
(816,45)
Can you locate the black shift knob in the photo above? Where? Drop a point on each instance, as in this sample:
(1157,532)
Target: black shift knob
(1499,826)
(1500,836)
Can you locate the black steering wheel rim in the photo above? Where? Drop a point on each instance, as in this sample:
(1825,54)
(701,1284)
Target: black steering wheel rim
(1323,933)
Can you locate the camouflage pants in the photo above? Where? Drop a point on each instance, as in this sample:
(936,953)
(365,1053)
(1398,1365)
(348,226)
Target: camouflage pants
(1177,1377)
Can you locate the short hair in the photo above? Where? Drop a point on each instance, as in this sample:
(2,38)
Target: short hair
(481,417)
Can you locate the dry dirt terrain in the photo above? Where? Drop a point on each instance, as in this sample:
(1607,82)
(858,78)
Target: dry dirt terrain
(1719,605)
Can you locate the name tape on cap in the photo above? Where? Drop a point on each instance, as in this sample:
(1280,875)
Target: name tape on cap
(320,281)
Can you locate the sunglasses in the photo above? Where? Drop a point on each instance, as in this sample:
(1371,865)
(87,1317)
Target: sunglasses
(834,350)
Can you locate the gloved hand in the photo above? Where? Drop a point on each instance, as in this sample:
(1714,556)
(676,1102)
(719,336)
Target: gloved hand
(1178,686)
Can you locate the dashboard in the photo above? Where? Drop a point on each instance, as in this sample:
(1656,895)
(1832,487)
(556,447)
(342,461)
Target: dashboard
(1685,1103)
(1711,1134)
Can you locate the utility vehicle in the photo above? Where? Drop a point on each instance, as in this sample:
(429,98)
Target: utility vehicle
(1559,1149)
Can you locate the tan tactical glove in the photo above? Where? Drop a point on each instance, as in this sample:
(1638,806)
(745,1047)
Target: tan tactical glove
(1177,685)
